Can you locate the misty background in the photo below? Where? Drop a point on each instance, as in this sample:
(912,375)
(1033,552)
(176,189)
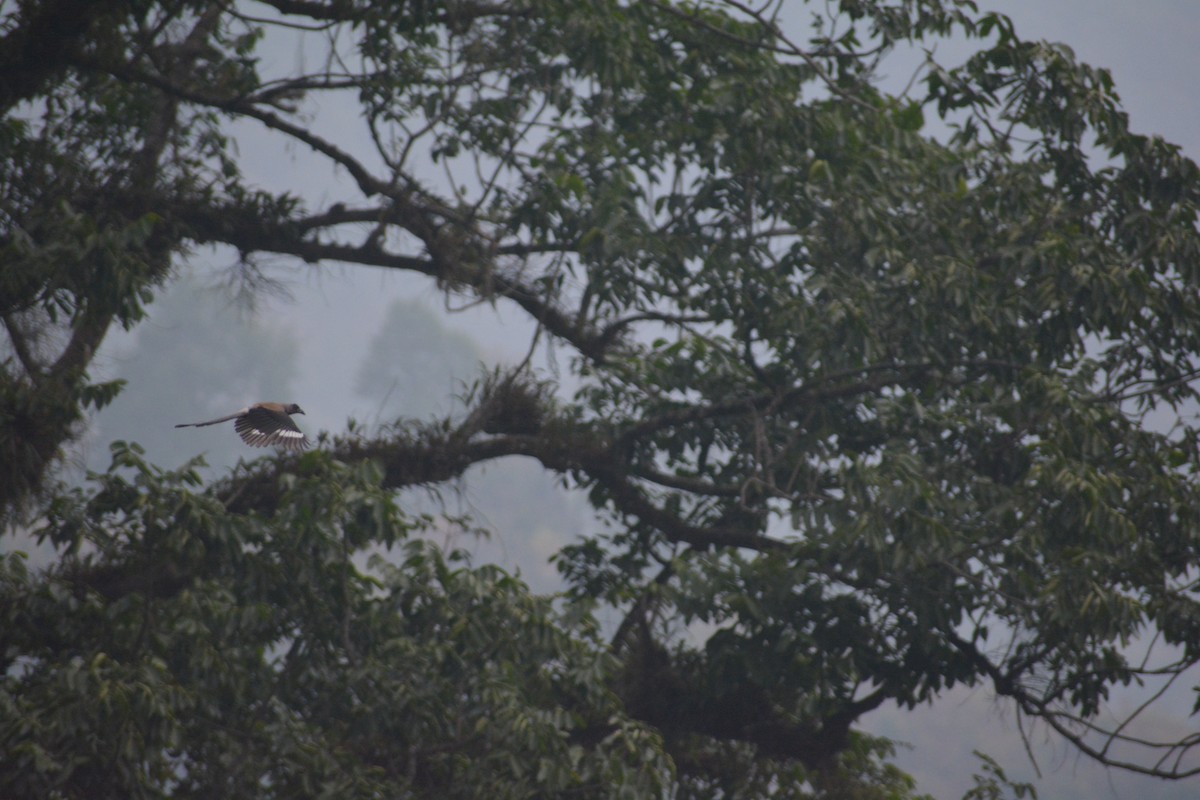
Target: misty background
(372,345)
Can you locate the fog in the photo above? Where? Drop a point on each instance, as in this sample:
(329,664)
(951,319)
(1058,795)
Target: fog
(320,328)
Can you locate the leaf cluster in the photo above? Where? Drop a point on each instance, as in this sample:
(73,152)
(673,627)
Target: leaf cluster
(178,650)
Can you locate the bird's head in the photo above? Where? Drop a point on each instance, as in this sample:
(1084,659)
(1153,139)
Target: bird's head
(292,408)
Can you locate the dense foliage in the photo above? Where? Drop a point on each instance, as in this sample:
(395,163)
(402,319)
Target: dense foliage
(187,652)
(879,408)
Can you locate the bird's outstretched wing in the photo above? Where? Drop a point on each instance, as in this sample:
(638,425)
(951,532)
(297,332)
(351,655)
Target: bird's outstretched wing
(261,427)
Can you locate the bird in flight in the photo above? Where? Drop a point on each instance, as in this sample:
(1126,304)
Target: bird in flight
(263,424)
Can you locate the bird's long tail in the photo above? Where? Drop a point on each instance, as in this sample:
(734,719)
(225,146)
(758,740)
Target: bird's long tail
(210,422)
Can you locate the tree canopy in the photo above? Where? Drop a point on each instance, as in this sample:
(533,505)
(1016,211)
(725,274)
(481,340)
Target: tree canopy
(869,406)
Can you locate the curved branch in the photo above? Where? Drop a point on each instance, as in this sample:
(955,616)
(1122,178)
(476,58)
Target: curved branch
(1006,684)
(432,455)
(248,233)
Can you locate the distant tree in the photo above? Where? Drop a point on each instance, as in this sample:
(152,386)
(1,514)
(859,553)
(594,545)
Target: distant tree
(878,411)
(417,368)
(414,366)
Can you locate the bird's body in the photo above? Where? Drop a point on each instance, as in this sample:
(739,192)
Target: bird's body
(263,424)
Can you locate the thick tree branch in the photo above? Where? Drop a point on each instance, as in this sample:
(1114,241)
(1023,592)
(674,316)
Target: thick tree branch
(20,345)
(249,233)
(433,456)
(344,10)
(465,257)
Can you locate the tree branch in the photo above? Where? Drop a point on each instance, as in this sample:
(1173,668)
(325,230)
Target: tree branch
(248,233)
